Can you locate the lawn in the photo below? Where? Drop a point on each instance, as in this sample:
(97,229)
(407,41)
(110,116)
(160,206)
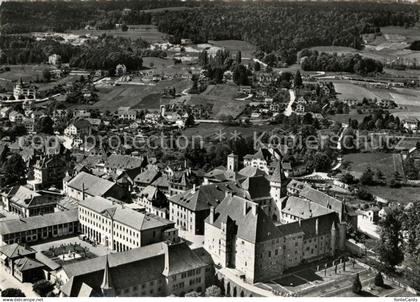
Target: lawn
(348,90)
(68,253)
(26,72)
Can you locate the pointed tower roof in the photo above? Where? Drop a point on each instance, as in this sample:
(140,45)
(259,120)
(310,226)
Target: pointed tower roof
(278,174)
(107,281)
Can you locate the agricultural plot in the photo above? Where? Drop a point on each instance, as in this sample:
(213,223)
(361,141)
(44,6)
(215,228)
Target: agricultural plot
(133,95)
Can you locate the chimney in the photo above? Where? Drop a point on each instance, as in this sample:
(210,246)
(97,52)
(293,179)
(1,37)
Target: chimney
(245,208)
(193,188)
(166,247)
(317,227)
(300,222)
(211,217)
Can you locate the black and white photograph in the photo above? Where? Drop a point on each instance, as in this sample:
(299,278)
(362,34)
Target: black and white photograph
(210,148)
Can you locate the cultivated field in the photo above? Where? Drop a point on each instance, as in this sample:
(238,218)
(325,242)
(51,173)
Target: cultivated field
(133,95)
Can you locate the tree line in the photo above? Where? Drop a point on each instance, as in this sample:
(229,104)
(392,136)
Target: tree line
(312,60)
(102,53)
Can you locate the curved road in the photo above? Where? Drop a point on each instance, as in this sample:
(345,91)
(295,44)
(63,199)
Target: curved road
(289,109)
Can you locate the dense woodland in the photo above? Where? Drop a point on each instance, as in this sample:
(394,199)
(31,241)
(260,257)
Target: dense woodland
(279,28)
(104,53)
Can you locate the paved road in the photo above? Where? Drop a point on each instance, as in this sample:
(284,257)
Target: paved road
(8,281)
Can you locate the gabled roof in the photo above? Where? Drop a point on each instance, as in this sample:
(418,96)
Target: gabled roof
(92,184)
(136,220)
(251,171)
(16,250)
(206,196)
(27,264)
(117,161)
(147,176)
(303,208)
(129,268)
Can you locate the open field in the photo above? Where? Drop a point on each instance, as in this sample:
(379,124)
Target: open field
(246,48)
(402,195)
(376,161)
(165,66)
(149,33)
(132,95)
(344,118)
(348,90)
(222,99)
(26,72)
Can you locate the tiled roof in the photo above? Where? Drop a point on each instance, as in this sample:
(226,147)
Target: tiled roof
(37,222)
(303,208)
(15,250)
(117,161)
(205,196)
(130,268)
(251,171)
(126,216)
(27,264)
(147,176)
(323,199)
(92,184)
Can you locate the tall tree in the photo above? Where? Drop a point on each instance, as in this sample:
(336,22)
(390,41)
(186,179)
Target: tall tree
(298,82)
(390,243)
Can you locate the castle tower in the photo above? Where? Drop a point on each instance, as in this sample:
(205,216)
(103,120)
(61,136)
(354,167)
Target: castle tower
(278,183)
(106,286)
(232,162)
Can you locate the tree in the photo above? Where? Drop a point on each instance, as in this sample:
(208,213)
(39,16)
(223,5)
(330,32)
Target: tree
(348,179)
(357,285)
(124,27)
(12,292)
(213,291)
(45,125)
(380,176)
(379,280)
(190,121)
(46,74)
(367,177)
(192,294)
(257,66)
(238,57)
(43,287)
(203,58)
(297,83)
(390,243)
(14,168)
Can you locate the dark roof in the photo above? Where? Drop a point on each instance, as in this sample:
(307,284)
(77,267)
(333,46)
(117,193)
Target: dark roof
(205,196)
(130,268)
(253,225)
(303,208)
(257,187)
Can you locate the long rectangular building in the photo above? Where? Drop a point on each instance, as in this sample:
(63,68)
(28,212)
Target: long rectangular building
(120,228)
(39,228)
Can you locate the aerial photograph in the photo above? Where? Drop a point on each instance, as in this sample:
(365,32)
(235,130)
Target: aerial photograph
(210,148)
